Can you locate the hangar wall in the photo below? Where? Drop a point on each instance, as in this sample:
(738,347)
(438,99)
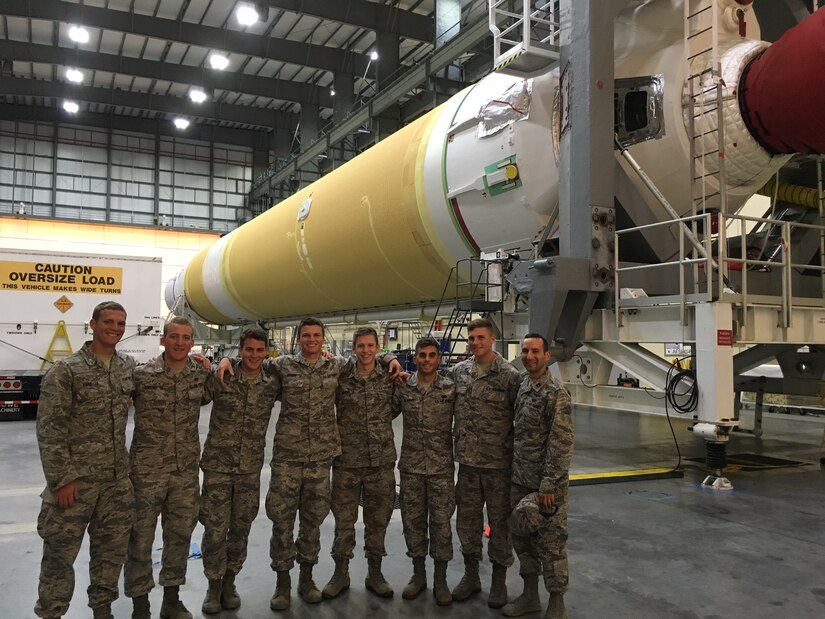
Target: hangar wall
(94,174)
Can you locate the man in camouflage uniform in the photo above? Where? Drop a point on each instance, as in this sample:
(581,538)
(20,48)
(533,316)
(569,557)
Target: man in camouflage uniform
(367,460)
(427,470)
(306,442)
(164,461)
(542,451)
(232,460)
(486,388)
(81,432)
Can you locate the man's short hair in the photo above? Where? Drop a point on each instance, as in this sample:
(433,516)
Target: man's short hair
(362,331)
(177,320)
(426,342)
(254,333)
(310,321)
(106,305)
(538,336)
(480,323)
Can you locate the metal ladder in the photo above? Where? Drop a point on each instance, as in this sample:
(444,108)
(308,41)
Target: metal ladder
(705,91)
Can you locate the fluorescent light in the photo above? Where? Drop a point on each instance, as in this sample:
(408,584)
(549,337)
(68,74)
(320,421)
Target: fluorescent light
(218,61)
(197,96)
(73,75)
(246,14)
(181,123)
(71,107)
(79,34)
(373,55)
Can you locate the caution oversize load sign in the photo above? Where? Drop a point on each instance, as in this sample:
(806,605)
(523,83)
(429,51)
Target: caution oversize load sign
(56,277)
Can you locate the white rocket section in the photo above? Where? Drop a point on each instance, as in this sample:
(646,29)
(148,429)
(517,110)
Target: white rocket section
(457,156)
(214,285)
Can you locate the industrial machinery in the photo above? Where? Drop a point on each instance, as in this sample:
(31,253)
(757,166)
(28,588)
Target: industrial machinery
(608,178)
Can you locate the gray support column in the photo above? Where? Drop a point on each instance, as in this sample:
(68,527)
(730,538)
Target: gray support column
(157,177)
(212,180)
(447,20)
(344,86)
(586,163)
(447,25)
(55,127)
(108,216)
(260,154)
(386,66)
(309,124)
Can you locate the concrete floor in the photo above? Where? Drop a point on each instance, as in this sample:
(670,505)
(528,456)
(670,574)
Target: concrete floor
(652,549)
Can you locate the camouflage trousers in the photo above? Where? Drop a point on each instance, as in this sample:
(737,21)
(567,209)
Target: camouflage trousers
(106,509)
(424,496)
(302,488)
(545,551)
(229,504)
(378,483)
(475,488)
(174,496)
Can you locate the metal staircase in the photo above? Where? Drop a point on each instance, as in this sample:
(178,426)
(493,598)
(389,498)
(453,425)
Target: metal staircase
(477,295)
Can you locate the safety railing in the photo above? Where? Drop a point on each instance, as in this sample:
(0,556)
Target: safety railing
(718,232)
(524,27)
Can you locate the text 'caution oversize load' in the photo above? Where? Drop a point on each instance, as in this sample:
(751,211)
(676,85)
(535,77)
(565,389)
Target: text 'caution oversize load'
(58,277)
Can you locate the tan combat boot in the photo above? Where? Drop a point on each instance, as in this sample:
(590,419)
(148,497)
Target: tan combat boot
(339,582)
(441,591)
(375,580)
(418,582)
(172,607)
(498,587)
(470,583)
(307,588)
(555,608)
(283,592)
(229,594)
(528,601)
(212,602)
(140,607)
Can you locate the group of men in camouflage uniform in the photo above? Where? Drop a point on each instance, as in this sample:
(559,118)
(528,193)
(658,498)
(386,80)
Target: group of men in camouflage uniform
(94,483)
(474,403)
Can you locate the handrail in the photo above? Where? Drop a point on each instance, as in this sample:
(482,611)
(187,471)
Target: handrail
(721,262)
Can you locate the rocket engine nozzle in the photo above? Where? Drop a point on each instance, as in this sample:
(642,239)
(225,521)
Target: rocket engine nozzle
(782,91)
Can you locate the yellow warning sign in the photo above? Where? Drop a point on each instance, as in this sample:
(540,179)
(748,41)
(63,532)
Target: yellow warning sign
(63,304)
(56,277)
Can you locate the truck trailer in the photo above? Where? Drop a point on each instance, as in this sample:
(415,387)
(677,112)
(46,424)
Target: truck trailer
(46,302)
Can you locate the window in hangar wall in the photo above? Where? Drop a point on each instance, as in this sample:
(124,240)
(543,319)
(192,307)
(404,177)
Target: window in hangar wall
(88,174)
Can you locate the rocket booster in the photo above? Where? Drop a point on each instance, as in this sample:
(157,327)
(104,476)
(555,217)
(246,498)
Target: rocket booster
(477,174)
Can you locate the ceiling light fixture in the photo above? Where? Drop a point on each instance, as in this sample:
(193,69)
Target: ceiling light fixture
(331,92)
(79,34)
(71,107)
(197,96)
(218,61)
(73,75)
(373,55)
(181,123)
(246,14)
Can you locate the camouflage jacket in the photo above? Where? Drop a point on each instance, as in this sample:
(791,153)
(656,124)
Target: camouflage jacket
(484,413)
(167,410)
(241,408)
(306,430)
(427,442)
(543,435)
(81,418)
(364,413)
